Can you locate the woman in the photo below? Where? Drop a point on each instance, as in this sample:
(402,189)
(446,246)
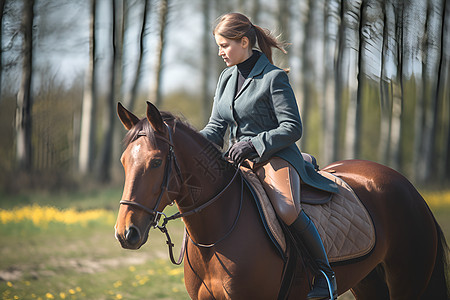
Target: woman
(255,100)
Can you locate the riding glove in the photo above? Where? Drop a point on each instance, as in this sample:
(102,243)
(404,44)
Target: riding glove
(241,151)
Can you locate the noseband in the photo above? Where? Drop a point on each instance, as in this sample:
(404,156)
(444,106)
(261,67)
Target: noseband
(170,160)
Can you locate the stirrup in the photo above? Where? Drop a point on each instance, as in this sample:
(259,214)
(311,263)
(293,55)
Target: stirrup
(329,285)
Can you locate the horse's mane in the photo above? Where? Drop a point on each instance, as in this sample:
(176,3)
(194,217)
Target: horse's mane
(143,127)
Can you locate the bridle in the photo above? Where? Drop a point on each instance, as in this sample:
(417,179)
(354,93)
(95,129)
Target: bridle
(172,160)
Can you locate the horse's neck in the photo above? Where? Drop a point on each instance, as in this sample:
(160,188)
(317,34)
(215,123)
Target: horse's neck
(204,170)
(205,175)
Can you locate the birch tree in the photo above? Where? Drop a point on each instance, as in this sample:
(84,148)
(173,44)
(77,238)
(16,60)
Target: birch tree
(308,55)
(2,8)
(330,108)
(87,134)
(395,138)
(388,57)
(24,96)
(349,72)
(109,117)
(413,40)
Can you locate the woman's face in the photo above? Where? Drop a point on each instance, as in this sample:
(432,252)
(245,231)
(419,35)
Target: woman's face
(233,52)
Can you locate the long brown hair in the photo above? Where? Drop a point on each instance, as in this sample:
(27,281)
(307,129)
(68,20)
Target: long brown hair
(235,26)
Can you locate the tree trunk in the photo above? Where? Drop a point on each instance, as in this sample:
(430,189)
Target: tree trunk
(387,77)
(330,111)
(351,23)
(341,65)
(432,59)
(87,134)
(24,96)
(414,23)
(395,160)
(355,115)
(442,156)
(385,99)
(104,167)
(206,55)
(130,100)
(308,75)
(2,7)
(163,12)
(283,19)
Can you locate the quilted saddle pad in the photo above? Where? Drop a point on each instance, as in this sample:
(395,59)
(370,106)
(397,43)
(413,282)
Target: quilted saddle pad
(343,222)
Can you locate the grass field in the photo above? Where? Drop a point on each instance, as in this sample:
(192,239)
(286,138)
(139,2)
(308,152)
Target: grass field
(62,246)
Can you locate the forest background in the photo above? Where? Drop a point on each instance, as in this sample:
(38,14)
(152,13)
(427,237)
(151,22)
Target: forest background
(371,78)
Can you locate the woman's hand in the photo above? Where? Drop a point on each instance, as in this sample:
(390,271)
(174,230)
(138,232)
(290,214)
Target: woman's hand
(241,151)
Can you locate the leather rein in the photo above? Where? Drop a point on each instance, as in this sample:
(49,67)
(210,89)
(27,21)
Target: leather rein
(172,160)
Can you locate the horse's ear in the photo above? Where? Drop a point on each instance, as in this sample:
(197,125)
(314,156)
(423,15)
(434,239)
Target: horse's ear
(155,119)
(127,118)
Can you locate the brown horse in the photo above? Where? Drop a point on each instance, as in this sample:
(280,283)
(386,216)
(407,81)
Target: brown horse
(229,255)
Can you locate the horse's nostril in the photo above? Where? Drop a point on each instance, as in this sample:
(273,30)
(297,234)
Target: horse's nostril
(132,235)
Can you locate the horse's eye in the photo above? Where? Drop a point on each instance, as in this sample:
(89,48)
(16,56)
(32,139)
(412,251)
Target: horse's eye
(155,163)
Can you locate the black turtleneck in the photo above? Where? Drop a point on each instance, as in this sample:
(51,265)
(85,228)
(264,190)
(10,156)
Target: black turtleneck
(245,67)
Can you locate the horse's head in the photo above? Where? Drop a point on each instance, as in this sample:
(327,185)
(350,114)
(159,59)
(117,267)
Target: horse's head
(148,160)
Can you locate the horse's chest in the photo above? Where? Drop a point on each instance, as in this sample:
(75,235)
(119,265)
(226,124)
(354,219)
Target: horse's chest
(222,278)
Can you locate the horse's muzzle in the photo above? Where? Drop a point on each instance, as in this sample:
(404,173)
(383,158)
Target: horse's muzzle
(131,238)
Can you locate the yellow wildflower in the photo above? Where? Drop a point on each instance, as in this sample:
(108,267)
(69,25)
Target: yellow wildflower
(41,216)
(175,272)
(49,296)
(9,284)
(437,198)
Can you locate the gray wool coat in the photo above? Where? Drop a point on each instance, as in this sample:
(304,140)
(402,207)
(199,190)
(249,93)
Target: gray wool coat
(265,112)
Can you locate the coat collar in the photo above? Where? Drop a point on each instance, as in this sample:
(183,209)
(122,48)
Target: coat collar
(259,67)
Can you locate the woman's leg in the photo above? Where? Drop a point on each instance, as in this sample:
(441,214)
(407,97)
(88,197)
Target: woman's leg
(282,184)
